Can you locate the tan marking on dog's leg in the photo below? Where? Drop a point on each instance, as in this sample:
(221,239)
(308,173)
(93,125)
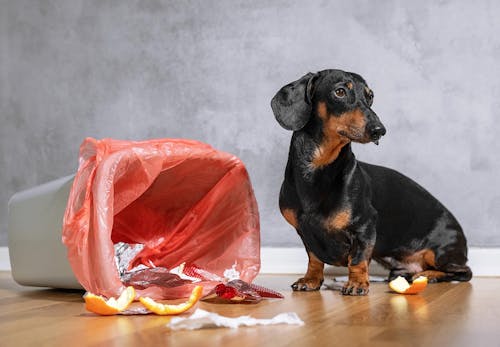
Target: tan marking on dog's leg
(290,216)
(419,261)
(432,275)
(313,279)
(339,220)
(359,273)
(358,282)
(429,258)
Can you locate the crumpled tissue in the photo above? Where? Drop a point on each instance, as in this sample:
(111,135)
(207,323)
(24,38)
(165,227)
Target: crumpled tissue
(202,319)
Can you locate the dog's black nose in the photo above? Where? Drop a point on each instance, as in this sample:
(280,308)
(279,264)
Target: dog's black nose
(377,132)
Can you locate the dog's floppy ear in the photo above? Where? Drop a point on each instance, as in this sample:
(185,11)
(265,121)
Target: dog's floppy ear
(292,104)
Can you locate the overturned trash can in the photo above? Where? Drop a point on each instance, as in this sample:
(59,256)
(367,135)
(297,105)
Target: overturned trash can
(167,203)
(37,255)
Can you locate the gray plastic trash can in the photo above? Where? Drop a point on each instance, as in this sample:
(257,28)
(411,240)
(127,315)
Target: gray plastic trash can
(37,254)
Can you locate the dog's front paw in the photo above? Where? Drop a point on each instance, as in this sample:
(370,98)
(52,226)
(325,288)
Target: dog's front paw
(355,288)
(307,284)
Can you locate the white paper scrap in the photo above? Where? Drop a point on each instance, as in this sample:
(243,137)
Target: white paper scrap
(202,319)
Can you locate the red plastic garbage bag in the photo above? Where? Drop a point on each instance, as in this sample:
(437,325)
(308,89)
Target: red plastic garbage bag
(183,200)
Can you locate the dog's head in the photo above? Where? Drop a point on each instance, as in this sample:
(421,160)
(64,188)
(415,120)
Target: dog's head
(341,101)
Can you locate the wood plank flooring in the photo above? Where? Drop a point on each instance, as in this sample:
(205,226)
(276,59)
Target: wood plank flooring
(446,314)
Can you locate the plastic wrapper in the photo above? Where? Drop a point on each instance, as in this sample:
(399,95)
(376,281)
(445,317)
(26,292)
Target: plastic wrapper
(230,289)
(238,291)
(158,276)
(182,201)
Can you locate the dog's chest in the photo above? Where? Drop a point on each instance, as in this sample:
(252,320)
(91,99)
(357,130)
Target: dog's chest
(330,247)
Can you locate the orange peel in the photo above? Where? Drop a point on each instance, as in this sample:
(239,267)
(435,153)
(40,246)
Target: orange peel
(400,285)
(165,309)
(107,307)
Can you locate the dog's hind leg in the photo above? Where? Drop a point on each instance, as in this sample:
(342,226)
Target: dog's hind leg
(447,273)
(447,257)
(446,264)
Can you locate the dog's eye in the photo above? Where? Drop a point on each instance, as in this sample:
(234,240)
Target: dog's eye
(340,92)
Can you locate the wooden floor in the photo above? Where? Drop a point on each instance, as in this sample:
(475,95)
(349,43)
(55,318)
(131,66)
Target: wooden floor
(458,314)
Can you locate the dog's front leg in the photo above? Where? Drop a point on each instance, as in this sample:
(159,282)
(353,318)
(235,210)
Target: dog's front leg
(313,279)
(359,259)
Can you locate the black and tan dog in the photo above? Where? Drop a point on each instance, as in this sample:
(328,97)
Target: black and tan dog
(348,212)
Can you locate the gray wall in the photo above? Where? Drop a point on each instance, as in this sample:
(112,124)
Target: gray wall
(207,70)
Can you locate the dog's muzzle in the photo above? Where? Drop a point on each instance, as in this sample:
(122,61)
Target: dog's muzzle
(376,132)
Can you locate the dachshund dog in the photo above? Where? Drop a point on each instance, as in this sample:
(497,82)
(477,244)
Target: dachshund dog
(348,212)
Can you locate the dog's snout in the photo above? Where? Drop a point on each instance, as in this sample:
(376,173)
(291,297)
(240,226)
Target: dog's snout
(377,131)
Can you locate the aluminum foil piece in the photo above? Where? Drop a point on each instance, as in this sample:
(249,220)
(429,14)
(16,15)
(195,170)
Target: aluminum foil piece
(124,254)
